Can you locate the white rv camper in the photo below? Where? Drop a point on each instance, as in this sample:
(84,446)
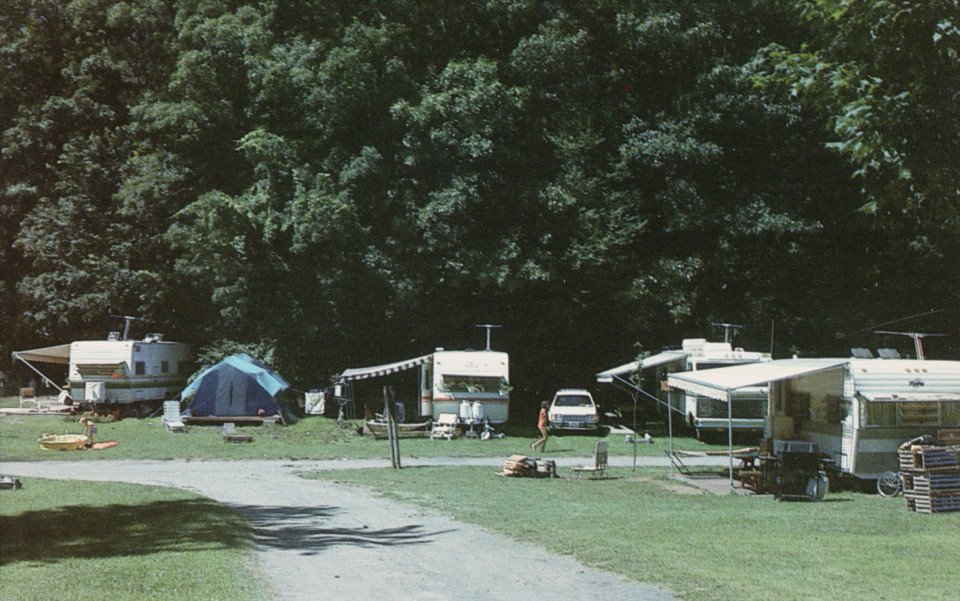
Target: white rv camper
(138,374)
(453,378)
(857,410)
(448,379)
(700,412)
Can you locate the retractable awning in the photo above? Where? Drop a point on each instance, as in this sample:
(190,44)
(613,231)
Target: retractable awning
(910,397)
(606,377)
(718,383)
(376,371)
(59,354)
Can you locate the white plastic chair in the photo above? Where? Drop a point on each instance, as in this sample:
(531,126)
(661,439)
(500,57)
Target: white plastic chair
(171,417)
(28,395)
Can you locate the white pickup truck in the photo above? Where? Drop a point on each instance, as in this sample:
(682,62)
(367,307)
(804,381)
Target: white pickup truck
(573,409)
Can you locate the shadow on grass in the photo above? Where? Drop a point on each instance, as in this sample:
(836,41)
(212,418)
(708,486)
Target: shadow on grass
(120,530)
(183,525)
(301,529)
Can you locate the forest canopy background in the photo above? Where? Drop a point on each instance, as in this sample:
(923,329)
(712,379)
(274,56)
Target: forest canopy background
(340,183)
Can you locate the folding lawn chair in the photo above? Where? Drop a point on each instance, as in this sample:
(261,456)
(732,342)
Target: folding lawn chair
(599,461)
(230,434)
(444,427)
(171,417)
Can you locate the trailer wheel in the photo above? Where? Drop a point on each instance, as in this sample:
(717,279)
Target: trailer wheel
(889,484)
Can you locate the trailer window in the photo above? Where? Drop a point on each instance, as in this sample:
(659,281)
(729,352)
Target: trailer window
(913,413)
(94,371)
(702,365)
(426,373)
(919,414)
(139,368)
(474,384)
(164,367)
(951,413)
(845,413)
(881,414)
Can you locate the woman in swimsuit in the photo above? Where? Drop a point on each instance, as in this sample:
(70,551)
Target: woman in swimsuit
(542,426)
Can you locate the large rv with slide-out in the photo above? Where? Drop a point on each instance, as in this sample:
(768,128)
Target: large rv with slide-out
(700,412)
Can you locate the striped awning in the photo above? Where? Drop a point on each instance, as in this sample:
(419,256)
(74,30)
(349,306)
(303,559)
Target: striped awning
(376,371)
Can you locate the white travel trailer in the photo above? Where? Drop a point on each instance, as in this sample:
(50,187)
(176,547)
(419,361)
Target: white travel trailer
(857,410)
(138,374)
(448,379)
(702,413)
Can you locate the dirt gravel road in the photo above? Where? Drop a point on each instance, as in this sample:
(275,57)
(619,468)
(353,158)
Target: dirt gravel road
(321,540)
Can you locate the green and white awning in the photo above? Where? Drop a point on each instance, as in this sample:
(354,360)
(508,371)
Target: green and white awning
(59,354)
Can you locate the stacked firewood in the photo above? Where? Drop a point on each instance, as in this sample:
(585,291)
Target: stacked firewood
(519,466)
(931,477)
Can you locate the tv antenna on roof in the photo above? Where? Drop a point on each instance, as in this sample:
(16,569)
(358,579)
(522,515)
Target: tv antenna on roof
(127,319)
(728,330)
(488,327)
(917,339)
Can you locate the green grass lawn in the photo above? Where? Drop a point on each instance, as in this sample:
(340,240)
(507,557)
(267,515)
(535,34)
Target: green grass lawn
(309,438)
(121,542)
(852,546)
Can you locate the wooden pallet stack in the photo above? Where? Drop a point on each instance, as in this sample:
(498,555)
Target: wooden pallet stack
(931,478)
(519,466)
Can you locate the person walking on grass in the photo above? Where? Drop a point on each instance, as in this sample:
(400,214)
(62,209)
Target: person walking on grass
(542,426)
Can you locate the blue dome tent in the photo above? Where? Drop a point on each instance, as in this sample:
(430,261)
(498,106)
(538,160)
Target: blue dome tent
(237,386)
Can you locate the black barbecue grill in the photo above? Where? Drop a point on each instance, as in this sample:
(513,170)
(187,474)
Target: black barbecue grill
(796,471)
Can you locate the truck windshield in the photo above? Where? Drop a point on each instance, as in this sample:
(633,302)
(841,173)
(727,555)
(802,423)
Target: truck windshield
(573,400)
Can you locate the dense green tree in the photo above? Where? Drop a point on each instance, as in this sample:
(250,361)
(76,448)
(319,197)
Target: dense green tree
(73,72)
(883,78)
(884,75)
(339,183)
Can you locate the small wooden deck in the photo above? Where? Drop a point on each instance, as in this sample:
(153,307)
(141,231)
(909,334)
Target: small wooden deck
(240,420)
